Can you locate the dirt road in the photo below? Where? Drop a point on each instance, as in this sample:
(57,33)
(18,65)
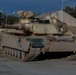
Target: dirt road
(9,66)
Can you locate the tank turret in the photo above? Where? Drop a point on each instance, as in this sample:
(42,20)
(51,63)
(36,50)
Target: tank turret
(41,26)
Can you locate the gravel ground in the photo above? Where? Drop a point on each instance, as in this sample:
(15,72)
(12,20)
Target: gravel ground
(10,66)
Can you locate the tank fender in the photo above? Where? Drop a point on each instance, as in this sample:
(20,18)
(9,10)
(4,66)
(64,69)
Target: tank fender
(24,44)
(18,43)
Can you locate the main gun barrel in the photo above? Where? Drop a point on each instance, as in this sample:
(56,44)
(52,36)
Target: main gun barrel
(16,26)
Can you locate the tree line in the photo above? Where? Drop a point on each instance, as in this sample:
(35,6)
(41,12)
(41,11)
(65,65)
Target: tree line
(9,19)
(70,10)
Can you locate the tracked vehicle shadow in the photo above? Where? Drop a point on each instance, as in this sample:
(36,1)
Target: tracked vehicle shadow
(53,55)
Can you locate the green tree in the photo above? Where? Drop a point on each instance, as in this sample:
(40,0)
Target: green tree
(12,19)
(70,10)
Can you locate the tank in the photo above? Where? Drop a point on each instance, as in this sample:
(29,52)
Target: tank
(31,37)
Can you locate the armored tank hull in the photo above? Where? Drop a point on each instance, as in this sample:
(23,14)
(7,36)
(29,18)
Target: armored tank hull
(21,47)
(28,48)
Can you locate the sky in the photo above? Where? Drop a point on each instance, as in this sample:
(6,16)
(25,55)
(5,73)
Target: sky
(37,6)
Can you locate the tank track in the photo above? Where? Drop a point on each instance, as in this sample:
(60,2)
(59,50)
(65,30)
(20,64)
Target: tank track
(22,55)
